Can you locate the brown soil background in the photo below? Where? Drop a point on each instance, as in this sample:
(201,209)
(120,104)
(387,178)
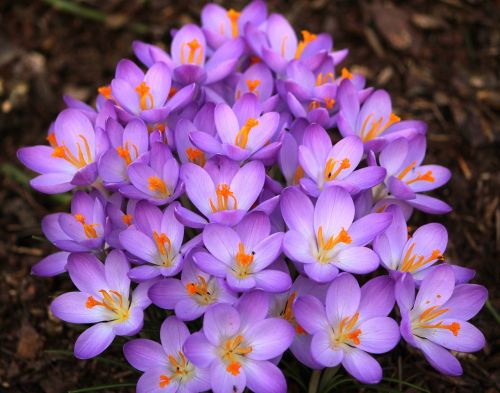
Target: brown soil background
(438,59)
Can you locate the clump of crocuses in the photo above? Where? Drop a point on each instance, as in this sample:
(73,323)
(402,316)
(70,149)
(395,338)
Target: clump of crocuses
(209,198)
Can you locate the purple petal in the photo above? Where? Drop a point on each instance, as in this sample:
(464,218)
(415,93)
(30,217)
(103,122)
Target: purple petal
(265,377)
(144,354)
(466,301)
(440,358)
(310,314)
(272,281)
(362,366)
(167,293)
(269,338)
(339,306)
(71,307)
(219,322)
(199,350)
(51,265)
(358,260)
(378,335)
(377,298)
(254,174)
(322,350)
(87,273)
(298,211)
(94,341)
(173,334)
(334,211)
(366,228)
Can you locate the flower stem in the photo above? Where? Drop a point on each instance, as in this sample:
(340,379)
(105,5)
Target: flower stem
(314,381)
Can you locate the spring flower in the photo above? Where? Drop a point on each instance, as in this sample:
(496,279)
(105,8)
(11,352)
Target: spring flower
(236,343)
(242,255)
(325,165)
(223,194)
(407,178)
(121,215)
(417,254)
(324,237)
(353,324)
(257,79)
(126,146)
(193,294)
(243,131)
(71,158)
(436,319)
(156,238)
(165,366)
(220,25)
(288,157)
(374,122)
(104,300)
(147,95)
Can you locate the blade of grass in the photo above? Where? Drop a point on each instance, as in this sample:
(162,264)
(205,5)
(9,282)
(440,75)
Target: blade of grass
(103,387)
(98,358)
(493,312)
(402,382)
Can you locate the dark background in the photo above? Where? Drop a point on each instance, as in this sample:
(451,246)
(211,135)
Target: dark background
(438,59)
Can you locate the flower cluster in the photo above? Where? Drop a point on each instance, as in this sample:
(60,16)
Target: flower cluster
(208,184)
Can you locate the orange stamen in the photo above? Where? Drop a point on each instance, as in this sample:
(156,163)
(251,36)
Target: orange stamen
(320,79)
(62,151)
(105,91)
(346,74)
(299,174)
(307,38)
(252,85)
(158,185)
(233,18)
(160,240)
(196,156)
(376,127)
(88,229)
(193,46)
(233,368)
(329,174)
(412,262)
(127,219)
(242,135)
(223,192)
(164,381)
(144,92)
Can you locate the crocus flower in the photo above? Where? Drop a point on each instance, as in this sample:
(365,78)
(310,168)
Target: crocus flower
(236,343)
(325,165)
(223,194)
(121,214)
(165,367)
(147,95)
(374,122)
(242,255)
(193,294)
(288,157)
(220,25)
(436,319)
(243,131)
(71,158)
(353,324)
(156,181)
(127,145)
(416,254)
(156,238)
(104,300)
(407,178)
(324,237)
(257,79)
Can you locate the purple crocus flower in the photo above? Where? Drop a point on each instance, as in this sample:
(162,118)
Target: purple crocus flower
(121,214)
(241,255)
(326,165)
(257,79)
(222,192)
(436,319)
(288,157)
(156,238)
(374,122)
(236,343)
(353,324)
(147,95)
(103,299)
(417,254)
(166,368)
(243,131)
(193,294)
(127,145)
(82,230)
(324,237)
(157,182)
(71,158)
(407,178)
(220,25)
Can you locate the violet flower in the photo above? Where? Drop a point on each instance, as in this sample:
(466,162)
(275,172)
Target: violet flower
(241,255)
(324,237)
(435,321)
(104,300)
(353,324)
(165,367)
(236,343)
(258,79)
(71,158)
(193,294)
(121,215)
(326,165)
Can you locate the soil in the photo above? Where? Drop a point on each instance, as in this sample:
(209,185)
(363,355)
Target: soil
(438,59)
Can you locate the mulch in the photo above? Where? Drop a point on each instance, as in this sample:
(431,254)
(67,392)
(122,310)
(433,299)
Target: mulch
(439,60)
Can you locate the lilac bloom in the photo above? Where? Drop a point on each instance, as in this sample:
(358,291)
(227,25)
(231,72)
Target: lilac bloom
(243,255)
(156,238)
(147,95)
(281,306)
(353,324)
(243,131)
(104,300)
(324,237)
(71,158)
(257,79)
(236,343)
(325,165)
(222,193)
(82,230)
(157,182)
(166,369)
(193,294)
(220,25)
(127,145)
(436,319)
(417,254)
(288,157)
(121,215)
(407,177)
(149,54)
(374,122)
(277,44)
